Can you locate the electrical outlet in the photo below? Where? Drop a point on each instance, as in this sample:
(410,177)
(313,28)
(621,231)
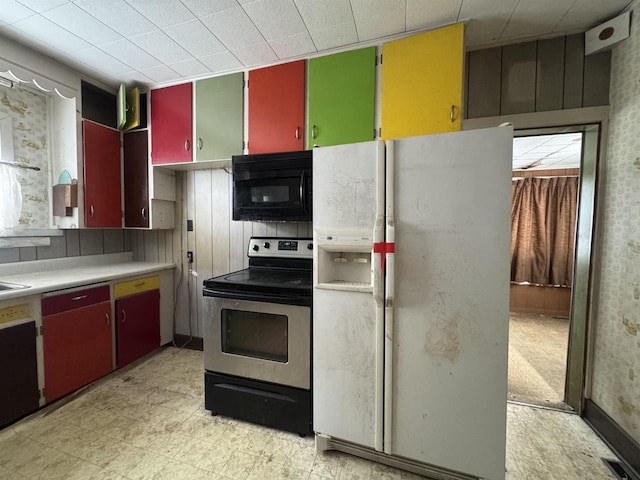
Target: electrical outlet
(190,257)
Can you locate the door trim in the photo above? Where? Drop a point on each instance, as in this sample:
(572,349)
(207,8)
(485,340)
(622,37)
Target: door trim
(593,122)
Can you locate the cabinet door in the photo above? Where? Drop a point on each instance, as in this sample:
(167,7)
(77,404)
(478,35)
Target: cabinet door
(18,372)
(219,117)
(171,124)
(138,327)
(276,108)
(77,348)
(422,83)
(342,98)
(136,179)
(102,192)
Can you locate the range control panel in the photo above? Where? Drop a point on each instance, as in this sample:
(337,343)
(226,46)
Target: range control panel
(280,247)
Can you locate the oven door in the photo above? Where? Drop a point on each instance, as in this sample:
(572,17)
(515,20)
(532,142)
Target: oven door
(257,340)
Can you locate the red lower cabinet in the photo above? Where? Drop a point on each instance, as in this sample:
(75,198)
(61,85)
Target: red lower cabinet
(138,327)
(77,348)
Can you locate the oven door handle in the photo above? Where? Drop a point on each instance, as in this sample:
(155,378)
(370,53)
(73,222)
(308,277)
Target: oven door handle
(260,297)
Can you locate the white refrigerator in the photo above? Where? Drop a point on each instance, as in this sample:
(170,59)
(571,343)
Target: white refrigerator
(411,299)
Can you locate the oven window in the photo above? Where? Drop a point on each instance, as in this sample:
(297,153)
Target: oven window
(258,335)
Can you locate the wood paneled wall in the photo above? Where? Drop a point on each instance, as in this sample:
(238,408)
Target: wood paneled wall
(540,299)
(536,76)
(73,243)
(219,244)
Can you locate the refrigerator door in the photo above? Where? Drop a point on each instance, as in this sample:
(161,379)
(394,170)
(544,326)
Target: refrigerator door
(348,312)
(452,198)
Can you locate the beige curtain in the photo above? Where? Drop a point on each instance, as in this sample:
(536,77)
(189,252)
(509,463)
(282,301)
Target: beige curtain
(543,220)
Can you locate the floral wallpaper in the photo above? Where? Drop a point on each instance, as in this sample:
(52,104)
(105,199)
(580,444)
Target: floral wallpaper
(28,111)
(616,369)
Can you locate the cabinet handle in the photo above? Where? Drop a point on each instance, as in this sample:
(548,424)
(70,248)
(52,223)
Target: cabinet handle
(106,316)
(79,297)
(140,284)
(144,212)
(124,316)
(199,143)
(187,145)
(91,210)
(453,113)
(313,132)
(297,133)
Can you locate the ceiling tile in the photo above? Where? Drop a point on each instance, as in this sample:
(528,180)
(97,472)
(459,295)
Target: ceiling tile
(275,18)
(13,11)
(135,77)
(190,68)
(195,38)
(221,62)
(387,18)
(233,28)
(163,13)
(118,15)
(255,54)
(334,36)
(41,5)
(161,73)
(480,33)
(101,61)
(77,21)
(203,8)
(421,14)
(130,54)
(319,15)
(540,16)
(589,13)
(50,34)
(161,46)
(294,46)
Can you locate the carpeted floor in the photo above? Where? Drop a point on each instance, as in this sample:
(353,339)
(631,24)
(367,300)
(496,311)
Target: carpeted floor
(537,359)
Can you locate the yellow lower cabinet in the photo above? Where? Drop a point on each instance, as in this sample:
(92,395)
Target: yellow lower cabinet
(422,78)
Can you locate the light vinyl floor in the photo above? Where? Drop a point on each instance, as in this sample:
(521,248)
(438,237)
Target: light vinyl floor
(147,421)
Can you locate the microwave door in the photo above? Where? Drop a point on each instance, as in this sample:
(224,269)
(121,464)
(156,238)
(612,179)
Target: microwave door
(277,199)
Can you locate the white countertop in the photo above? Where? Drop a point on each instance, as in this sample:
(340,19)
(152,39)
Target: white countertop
(57,274)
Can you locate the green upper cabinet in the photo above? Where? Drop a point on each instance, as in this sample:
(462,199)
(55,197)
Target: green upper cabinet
(219,117)
(341,93)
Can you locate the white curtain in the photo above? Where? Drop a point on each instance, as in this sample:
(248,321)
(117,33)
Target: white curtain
(10,198)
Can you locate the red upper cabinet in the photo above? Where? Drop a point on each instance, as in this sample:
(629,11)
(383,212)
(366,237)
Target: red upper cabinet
(102,178)
(276,108)
(171,124)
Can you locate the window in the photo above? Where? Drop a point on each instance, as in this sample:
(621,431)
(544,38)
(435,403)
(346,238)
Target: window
(24,171)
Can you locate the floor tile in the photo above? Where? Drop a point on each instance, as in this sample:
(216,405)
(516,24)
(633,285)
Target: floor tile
(147,421)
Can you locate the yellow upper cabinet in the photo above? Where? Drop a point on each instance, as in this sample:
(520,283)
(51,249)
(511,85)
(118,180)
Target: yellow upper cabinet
(422,83)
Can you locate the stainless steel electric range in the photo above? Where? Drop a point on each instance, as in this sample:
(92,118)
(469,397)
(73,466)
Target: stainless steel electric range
(257,337)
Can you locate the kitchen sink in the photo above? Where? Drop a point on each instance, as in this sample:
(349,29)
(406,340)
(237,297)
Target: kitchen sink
(4,286)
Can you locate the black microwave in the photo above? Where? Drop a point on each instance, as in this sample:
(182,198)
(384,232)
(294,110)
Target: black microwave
(272,187)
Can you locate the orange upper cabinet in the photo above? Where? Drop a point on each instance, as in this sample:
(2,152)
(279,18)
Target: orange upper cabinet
(422,79)
(171,124)
(276,108)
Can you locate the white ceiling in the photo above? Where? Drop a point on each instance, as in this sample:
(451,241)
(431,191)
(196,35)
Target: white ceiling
(547,152)
(151,42)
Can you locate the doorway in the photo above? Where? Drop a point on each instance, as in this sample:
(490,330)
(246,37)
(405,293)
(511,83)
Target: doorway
(553,188)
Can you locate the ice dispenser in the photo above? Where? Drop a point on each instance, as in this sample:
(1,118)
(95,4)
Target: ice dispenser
(342,260)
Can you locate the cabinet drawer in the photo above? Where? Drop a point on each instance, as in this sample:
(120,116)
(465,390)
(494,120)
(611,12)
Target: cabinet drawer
(75,299)
(139,285)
